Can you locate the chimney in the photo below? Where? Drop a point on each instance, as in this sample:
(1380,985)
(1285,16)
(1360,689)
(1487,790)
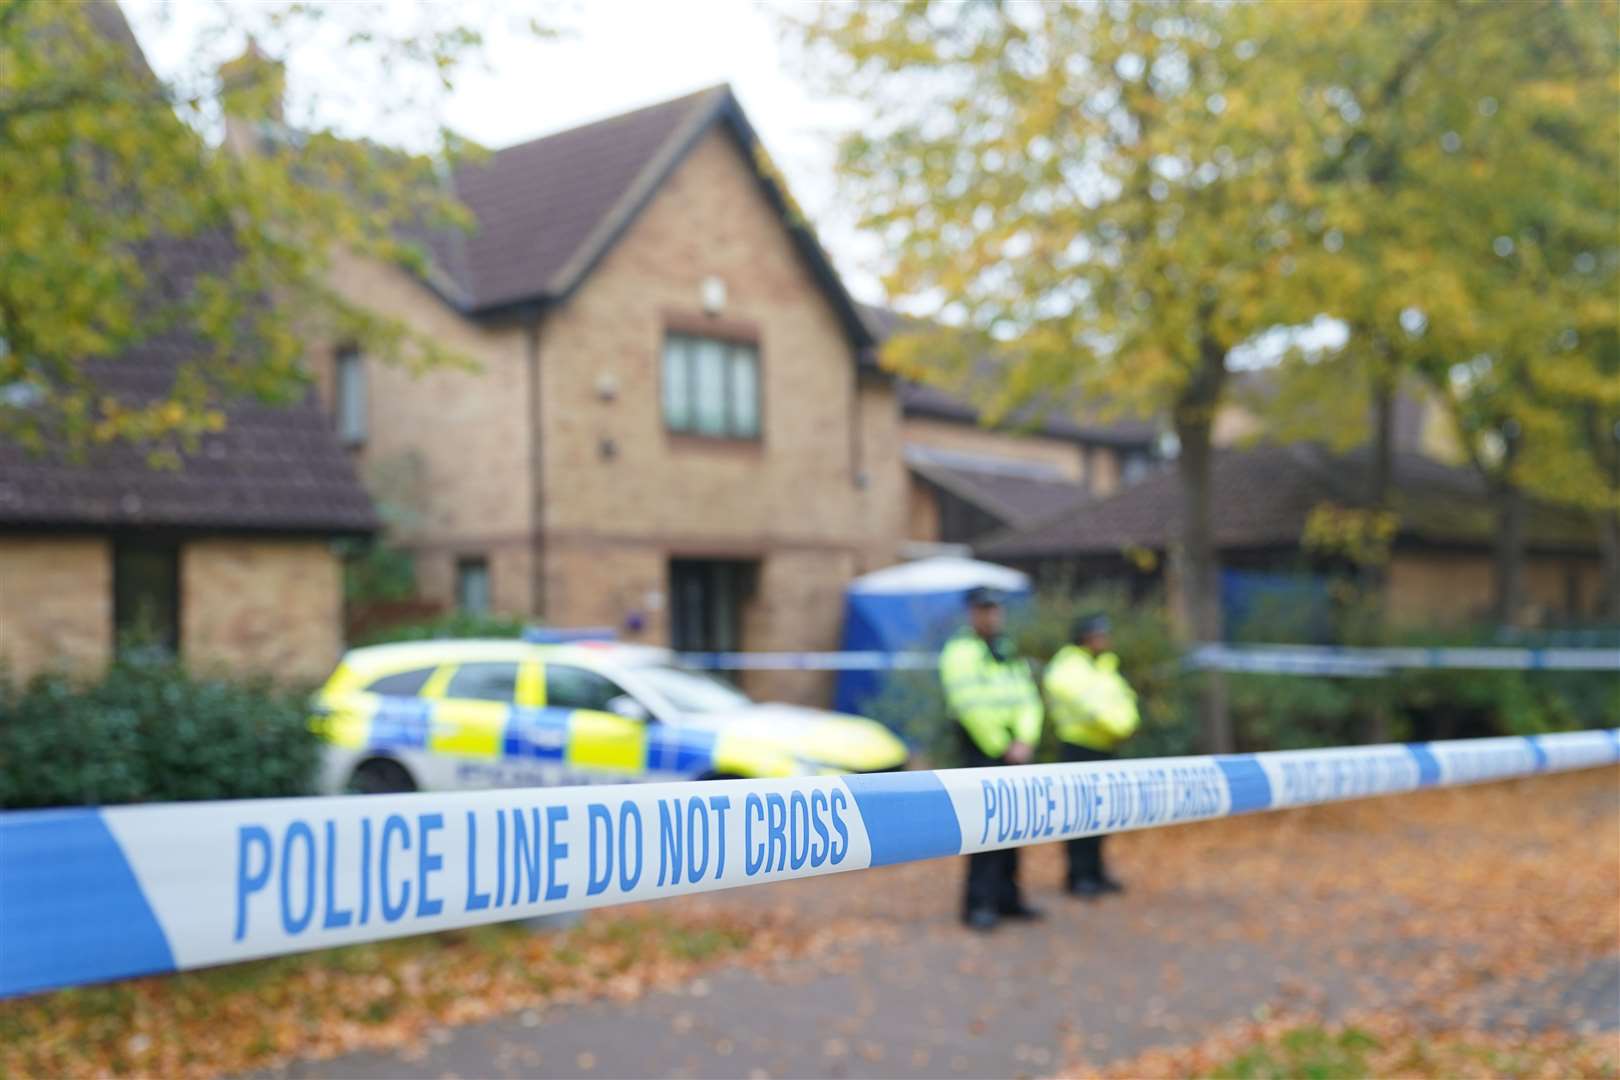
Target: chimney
(251,90)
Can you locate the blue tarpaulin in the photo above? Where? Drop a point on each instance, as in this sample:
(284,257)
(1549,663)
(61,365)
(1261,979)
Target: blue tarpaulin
(913,606)
(1276,603)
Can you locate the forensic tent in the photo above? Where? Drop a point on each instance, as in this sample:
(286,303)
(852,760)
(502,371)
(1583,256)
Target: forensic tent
(911,607)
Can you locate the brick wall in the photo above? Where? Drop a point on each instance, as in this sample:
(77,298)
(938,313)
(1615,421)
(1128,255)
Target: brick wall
(1102,468)
(622,495)
(884,506)
(55,604)
(447,456)
(922,512)
(1454,588)
(261,606)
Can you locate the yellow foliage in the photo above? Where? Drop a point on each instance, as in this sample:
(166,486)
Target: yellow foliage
(1363,536)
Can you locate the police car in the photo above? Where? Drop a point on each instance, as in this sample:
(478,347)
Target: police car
(446,715)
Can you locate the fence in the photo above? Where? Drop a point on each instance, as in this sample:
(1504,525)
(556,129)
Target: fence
(94,894)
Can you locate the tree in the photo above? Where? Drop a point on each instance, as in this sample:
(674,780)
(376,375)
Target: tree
(1530,171)
(105,166)
(1107,198)
(1468,176)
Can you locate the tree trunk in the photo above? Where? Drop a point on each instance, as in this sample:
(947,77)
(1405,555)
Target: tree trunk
(1200,587)
(1608,607)
(1374,576)
(1509,554)
(1383,468)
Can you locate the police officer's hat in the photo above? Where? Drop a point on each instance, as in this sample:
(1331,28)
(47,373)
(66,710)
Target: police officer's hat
(983,596)
(1092,622)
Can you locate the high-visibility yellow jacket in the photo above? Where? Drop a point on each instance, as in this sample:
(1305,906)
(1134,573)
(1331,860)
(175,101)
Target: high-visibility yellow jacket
(995,701)
(1092,704)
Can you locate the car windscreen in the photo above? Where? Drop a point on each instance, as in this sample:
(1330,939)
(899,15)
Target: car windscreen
(690,691)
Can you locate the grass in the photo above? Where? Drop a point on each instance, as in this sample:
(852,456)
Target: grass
(1306,1053)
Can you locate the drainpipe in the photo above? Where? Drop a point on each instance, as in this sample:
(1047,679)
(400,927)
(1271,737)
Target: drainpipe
(537,541)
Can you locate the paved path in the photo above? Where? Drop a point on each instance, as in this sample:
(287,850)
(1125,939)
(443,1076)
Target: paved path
(919,997)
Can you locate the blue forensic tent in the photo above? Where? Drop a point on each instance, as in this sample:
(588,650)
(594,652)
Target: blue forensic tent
(913,606)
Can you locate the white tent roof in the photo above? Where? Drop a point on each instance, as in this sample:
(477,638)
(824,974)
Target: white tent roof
(940,575)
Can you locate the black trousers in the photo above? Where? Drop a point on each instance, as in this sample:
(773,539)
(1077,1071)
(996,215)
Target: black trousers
(1085,852)
(992,877)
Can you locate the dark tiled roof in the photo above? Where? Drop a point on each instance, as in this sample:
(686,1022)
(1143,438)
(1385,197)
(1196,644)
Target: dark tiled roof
(548,209)
(1263,496)
(1013,495)
(272,469)
(923,399)
(539,203)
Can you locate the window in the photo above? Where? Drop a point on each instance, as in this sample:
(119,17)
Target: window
(351,396)
(472,586)
(711,387)
(484,681)
(1136,466)
(401,683)
(146,596)
(576,688)
(692,692)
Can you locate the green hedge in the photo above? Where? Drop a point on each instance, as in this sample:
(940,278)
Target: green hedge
(912,705)
(1277,712)
(455,625)
(148,732)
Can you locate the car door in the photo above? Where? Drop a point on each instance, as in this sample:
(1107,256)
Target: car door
(602,745)
(472,703)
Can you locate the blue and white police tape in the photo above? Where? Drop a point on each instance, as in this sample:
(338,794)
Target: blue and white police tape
(1353,662)
(869,660)
(88,895)
(1339,661)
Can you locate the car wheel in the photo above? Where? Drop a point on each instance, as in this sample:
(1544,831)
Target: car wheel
(721,776)
(379,776)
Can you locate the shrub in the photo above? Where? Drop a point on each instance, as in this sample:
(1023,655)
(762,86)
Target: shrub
(151,732)
(912,704)
(455,625)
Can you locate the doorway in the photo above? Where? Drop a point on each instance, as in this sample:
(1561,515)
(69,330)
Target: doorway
(706,602)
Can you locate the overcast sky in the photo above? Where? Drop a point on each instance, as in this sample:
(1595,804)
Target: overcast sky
(619,55)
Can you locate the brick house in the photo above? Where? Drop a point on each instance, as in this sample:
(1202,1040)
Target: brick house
(228,559)
(966,481)
(1440,568)
(679,428)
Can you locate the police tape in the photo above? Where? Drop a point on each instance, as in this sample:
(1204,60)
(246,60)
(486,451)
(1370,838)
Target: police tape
(1373,662)
(1330,660)
(868,660)
(93,894)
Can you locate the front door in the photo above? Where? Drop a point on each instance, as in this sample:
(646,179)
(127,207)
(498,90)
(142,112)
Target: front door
(707,597)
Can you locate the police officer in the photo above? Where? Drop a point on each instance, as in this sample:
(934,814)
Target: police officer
(991,695)
(1093,711)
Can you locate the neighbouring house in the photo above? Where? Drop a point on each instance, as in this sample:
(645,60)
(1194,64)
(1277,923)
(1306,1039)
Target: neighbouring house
(966,481)
(1440,568)
(678,427)
(1418,421)
(228,559)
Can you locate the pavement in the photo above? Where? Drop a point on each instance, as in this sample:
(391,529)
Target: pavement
(1186,950)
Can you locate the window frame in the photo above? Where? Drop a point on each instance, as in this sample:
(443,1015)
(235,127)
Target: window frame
(120,613)
(449,694)
(550,667)
(463,565)
(426,672)
(350,412)
(734,343)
